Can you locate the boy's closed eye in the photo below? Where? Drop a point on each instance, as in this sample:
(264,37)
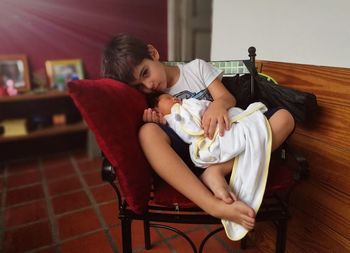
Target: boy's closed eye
(144,73)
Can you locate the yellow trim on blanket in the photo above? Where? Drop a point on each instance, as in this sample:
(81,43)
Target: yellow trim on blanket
(260,191)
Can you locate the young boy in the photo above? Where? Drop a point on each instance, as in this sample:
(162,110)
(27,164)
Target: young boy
(130,60)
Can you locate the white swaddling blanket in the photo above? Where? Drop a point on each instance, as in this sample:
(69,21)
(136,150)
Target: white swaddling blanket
(248,140)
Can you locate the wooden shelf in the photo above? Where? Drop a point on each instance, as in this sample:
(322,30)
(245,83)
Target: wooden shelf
(34,96)
(41,105)
(47,132)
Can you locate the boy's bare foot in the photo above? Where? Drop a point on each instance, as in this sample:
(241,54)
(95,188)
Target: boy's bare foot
(214,178)
(239,213)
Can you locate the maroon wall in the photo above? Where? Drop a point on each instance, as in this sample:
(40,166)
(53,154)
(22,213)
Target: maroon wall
(64,29)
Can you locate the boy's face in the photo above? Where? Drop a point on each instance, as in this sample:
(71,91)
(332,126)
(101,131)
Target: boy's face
(150,74)
(165,103)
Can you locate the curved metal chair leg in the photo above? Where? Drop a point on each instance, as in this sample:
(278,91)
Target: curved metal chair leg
(179,232)
(201,247)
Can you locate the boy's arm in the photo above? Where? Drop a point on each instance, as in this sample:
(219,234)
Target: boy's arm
(219,92)
(216,113)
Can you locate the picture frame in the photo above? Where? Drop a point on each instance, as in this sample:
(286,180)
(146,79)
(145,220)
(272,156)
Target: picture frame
(60,72)
(14,71)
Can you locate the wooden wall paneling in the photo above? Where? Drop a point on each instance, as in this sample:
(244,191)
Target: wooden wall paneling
(325,206)
(331,124)
(329,165)
(264,236)
(306,235)
(332,88)
(329,83)
(321,205)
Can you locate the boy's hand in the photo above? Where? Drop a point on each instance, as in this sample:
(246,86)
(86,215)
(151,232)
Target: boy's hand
(150,115)
(215,115)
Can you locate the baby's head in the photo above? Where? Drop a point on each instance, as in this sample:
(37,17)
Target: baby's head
(162,102)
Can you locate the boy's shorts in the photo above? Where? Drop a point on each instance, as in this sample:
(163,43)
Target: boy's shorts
(181,147)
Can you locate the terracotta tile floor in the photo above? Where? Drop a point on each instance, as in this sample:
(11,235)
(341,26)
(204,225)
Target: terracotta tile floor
(59,204)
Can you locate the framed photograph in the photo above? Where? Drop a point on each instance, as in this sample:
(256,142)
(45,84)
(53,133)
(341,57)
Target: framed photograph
(14,72)
(60,72)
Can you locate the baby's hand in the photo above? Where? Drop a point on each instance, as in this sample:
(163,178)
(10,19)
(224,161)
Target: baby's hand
(150,115)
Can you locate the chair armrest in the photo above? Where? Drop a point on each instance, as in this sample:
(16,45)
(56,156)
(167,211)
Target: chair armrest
(107,172)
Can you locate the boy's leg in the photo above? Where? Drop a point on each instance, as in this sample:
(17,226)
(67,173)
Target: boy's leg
(282,125)
(169,166)
(214,178)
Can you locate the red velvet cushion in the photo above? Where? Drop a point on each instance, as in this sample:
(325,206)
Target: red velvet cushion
(166,195)
(113,111)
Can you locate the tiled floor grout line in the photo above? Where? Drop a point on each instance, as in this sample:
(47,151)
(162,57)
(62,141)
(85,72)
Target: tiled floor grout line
(66,240)
(81,209)
(14,227)
(24,203)
(91,232)
(65,193)
(39,249)
(2,208)
(94,204)
(77,210)
(52,181)
(23,186)
(51,197)
(37,183)
(57,215)
(50,211)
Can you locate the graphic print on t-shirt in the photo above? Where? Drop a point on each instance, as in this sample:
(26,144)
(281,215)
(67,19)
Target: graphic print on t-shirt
(203,94)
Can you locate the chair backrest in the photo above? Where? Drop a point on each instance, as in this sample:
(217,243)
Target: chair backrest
(113,112)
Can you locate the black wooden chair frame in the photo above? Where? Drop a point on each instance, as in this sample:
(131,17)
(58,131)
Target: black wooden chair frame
(274,208)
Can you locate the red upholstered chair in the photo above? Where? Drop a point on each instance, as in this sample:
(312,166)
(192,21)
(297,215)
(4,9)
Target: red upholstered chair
(113,111)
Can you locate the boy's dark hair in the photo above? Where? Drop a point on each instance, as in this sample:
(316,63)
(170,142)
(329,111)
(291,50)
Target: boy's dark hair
(121,55)
(153,98)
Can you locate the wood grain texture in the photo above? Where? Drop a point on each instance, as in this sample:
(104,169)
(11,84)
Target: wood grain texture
(320,205)
(303,237)
(328,83)
(332,89)
(329,165)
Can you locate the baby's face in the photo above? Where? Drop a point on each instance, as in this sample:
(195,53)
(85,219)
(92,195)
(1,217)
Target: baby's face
(165,103)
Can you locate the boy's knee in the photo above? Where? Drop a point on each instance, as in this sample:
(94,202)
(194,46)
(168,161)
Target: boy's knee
(282,125)
(287,120)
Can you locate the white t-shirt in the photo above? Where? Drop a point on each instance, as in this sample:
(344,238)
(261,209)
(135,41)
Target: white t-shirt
(195,77)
